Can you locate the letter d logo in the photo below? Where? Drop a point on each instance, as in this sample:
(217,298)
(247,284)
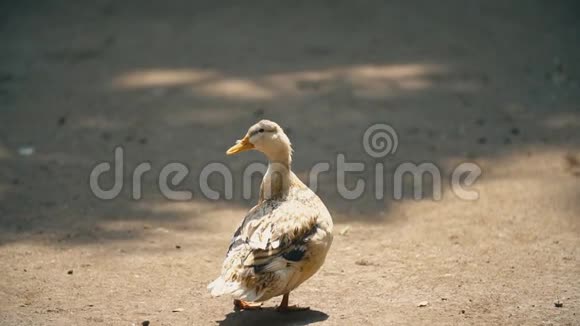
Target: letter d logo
(104,167)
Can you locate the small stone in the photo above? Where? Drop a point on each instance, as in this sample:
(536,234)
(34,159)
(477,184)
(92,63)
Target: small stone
(177,310)
(61,121)
(26,150)
(423,304)
(515,131)
(177,247)
(70,272)
(363,262)
(558,304)
(145,323)
(462,311)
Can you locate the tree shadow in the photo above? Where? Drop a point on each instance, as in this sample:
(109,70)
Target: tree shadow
(269,316)
(151,80)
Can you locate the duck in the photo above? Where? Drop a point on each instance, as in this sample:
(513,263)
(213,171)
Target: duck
(284,239)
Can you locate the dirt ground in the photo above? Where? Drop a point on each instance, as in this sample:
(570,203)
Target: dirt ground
(496,83)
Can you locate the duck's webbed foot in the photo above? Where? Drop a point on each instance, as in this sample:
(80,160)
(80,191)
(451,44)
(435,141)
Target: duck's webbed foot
(245,305)
(284,307)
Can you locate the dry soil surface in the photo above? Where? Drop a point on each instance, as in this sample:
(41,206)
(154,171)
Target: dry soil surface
(495,83)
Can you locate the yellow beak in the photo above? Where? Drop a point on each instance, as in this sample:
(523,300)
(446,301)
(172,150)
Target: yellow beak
(240,146)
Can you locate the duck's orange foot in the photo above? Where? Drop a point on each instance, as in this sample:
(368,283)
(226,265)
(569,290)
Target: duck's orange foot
(284,307)
(245,305)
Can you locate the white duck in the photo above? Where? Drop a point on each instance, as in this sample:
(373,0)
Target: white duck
(284,239)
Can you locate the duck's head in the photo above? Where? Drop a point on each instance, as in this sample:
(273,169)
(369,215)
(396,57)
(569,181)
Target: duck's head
(267,137)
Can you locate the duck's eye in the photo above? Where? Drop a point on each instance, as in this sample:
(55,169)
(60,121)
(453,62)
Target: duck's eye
(261,130)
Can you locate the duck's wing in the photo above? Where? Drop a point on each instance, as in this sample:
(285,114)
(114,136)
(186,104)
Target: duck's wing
(279,238)
(271,240)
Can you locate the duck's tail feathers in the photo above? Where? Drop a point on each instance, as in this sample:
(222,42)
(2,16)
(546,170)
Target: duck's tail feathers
(235,289)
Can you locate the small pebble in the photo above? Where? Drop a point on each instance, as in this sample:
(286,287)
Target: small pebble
(61,121)
(177,310)
(26,150)
(558,304)
(515,131)
(423,304)
(145,323)
(363,262)
(177,247)
(70,272)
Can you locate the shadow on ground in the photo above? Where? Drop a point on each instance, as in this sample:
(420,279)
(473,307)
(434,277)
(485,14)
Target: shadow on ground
(180,83)
(270,316)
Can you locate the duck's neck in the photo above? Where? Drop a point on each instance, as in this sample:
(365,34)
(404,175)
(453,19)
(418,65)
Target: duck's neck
(277,180)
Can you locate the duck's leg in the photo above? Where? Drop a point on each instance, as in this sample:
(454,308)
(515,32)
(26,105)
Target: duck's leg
(284,307)
(245,305)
